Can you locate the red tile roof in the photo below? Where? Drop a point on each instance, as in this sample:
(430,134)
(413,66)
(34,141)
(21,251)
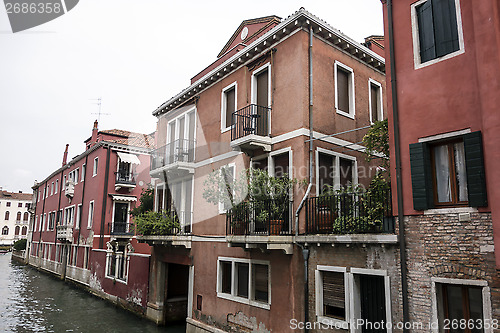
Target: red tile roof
(16,196)
(129,138)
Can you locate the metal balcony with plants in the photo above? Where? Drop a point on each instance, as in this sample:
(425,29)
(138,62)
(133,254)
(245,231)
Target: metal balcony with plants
(350,212)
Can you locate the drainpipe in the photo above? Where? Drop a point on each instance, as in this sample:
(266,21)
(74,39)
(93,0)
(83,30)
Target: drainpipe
(300,208)
(104,199)
(399,183)
(310,106)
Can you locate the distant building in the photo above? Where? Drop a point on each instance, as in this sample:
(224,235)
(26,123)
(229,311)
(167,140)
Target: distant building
(14,216)
(447,86)
(294,97)
(82,230)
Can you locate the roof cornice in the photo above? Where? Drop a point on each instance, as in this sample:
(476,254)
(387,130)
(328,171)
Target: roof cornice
(301,19)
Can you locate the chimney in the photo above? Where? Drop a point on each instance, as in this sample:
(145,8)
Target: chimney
(20,191)
(65,156)
(94,134)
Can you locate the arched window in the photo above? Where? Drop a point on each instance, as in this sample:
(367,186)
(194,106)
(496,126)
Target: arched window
(18,216)
(5,230)
(7,214)
(16,231)
(24,230)
(26,216)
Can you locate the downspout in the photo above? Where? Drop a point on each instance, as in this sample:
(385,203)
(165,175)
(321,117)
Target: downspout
(83,197)
(399,183)
(310,106)
(105,198)
(42,220)
(58,207)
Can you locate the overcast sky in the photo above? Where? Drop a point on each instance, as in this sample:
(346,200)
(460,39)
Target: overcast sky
(132,54)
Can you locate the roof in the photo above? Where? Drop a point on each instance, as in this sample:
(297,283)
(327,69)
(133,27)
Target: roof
(301,19)
(130,138)
(16,196)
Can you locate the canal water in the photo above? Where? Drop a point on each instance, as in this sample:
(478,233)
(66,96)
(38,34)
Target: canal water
(31,301)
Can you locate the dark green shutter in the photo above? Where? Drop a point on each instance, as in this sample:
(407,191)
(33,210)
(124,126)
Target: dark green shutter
(426,32)
(421,176)
(445,25)
(474,164)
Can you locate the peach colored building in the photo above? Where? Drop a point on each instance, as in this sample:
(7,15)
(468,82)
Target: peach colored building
(295,97)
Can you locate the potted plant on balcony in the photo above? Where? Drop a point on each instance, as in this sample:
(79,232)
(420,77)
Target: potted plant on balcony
(153,223)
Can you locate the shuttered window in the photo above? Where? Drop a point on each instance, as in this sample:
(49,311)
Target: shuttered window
(375,107)
(230,105)
(448,173)
(343,89)
(437,29)
(333,294)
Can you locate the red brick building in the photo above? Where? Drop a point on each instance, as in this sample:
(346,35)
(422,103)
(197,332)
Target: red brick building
(444,103)
(82,230)
(294,97)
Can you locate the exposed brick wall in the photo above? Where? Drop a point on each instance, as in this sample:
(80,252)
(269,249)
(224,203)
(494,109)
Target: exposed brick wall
(442,246)
(370,256)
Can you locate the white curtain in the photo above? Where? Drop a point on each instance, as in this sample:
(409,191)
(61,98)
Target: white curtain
(442,173)
(460,171)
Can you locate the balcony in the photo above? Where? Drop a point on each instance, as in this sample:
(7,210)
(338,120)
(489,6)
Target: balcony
(124,180)
(64,233)
(121,229)
(350,217)
(176,157)
(250,128)
(180,235)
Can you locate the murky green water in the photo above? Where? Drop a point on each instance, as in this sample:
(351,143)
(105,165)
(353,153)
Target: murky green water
(31,301)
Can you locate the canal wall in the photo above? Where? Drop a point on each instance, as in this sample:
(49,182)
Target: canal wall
(18,256)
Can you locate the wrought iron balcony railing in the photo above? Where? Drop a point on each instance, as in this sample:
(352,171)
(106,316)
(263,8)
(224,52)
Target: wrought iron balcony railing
(121,229)
(181,150)
(252,119)
(350,213)
(263,217)
(124,178)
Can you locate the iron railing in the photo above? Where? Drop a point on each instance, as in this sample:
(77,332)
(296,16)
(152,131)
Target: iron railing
(180,150)
(263,217)
(121,229)
(252,119)
(350,213)
(124,178)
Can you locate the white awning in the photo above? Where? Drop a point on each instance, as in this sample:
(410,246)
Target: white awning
(128,158)
(123,198)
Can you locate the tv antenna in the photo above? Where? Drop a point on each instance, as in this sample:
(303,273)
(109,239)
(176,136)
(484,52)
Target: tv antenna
(99,114)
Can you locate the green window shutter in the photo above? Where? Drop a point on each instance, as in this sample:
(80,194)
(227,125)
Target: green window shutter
(421,176)
(474,164)
(445,25)
(426,32)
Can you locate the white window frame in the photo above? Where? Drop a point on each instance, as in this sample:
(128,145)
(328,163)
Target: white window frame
(253,85)
(380,116)
(90,218)
(76,174)
(64,183)
(126,257)
(486,293)
(337,166)
(128,210)
(230,165)
(251,291)
(416,40)
(84,166)
(319,295)
(72,217)
(176,121)
(45,222)
(95,167)
(224,110)
(52,188)
(77,225)
(352,100)
(57,185)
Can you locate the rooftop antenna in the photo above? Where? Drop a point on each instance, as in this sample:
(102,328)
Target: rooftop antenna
(99,113)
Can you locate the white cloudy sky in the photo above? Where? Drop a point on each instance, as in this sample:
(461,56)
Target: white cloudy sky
(132,54)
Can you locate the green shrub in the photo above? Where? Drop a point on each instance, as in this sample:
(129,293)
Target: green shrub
(156,223)
(20,245)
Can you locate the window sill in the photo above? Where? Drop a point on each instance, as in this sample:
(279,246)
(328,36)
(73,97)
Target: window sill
(224,130)
(247,301)
(332,322)
(419,64)
(345,114)
(450,210)
(115,279)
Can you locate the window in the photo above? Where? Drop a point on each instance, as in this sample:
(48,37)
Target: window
(64,183)
(181,138)
(459,300)
(228,106)
(8,203)
(69,215)
(76,175)
(86,256)
(244,280)
(26,216)
(27,205)
(91,214)
(84,167)
(120,217)
(344,90)
(117,262)
(448,171)
(96,164)
(18,217)
(20,204)
(331,285)
(46,224)
(335,169)
(228,173)
(5,230)
(375,101)
(79,216)
(52,188)
(7,215)
(261,100)
(438,33)
(16,230)
(24,231)
(57,186)
(52,218)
